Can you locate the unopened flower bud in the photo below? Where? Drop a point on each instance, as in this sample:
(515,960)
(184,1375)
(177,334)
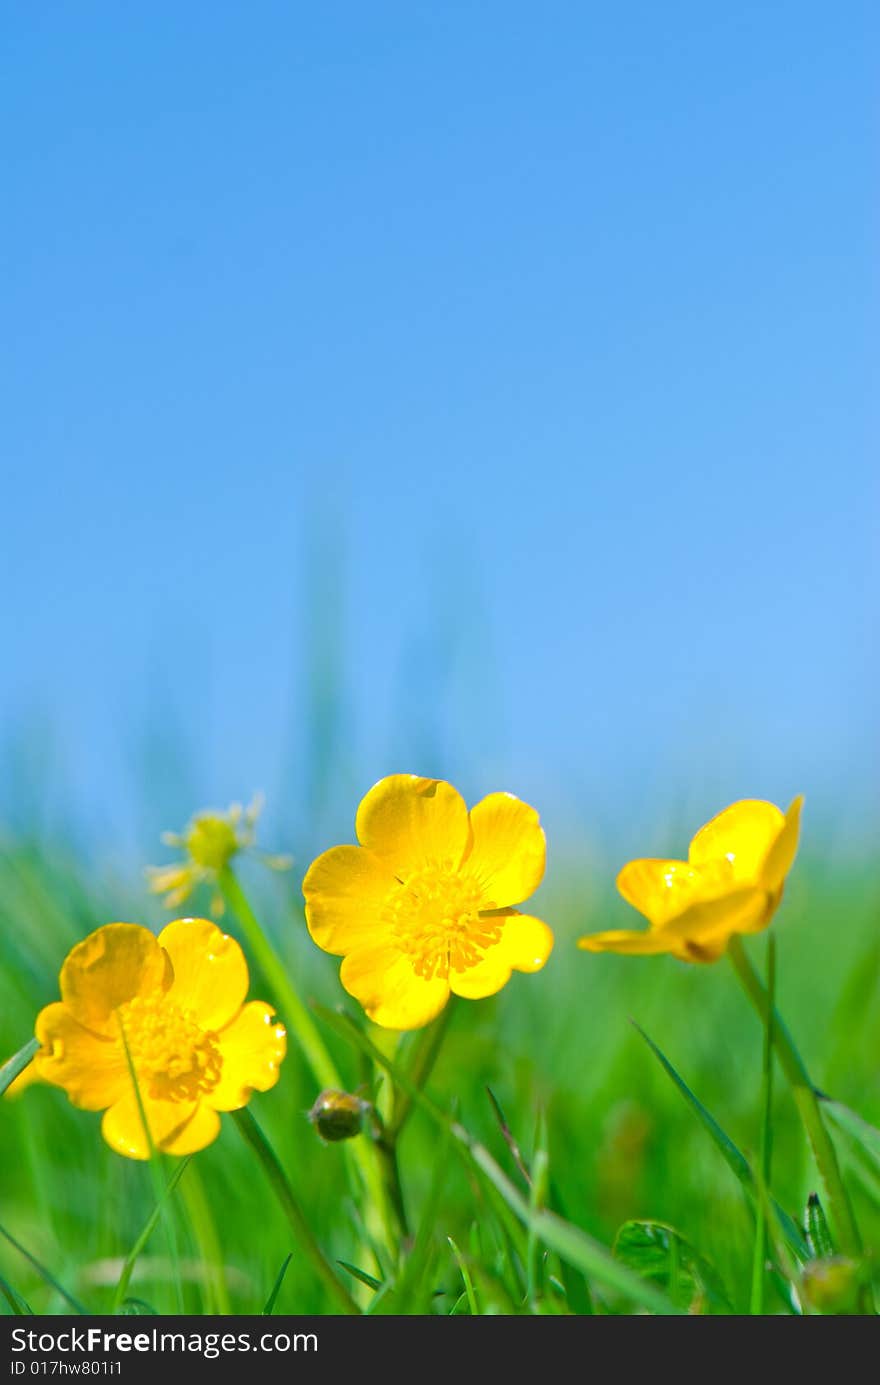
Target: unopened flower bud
(338,1115)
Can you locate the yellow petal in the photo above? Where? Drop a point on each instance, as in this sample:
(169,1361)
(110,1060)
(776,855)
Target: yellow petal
(175,1127)
(524,945)
(112,965)
(708,921)
(508,850)
(744,833)
(383,980)
(780,857)
(91,1069)
(658,889)
(252,1047)
(627,940)
(210,972)
(699,934)
(345,889)
(411,823)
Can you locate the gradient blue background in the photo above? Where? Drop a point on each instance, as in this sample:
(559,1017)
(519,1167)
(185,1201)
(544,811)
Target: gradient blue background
(486,390)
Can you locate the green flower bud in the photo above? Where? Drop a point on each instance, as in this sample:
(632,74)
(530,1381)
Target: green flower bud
(338,1115)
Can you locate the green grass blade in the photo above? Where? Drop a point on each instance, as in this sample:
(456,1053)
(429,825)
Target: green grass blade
(361,1276)
(470,1293)
(765,1157)
(148,1229)
(44,1274)
(19,1306)
(16,1065)
(269,1305)
(537,1201)
(569,1241)
(733,1157)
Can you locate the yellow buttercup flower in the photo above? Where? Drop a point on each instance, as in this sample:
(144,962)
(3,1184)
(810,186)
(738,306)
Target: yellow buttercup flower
(732,882)
(424,906)
(169,1012)
(209,843)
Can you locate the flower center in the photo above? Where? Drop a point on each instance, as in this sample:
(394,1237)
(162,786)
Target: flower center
(438,918)
(211,841)
(173,1057)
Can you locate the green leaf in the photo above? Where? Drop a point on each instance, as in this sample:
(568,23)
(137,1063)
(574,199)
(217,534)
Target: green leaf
(276,1287)
(661,1254)
(735,1160)
(17,1064)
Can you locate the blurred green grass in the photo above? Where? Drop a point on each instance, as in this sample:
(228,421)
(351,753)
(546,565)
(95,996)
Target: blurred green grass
(622,1144)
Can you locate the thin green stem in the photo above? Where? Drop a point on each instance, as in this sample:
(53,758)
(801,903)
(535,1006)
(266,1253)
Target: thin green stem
(806,1100)
(205,1230)
(294,1011)
(759,1260)
(155,1174)
(149,1227)
(420,1067)
(305,1031)
(257,1142)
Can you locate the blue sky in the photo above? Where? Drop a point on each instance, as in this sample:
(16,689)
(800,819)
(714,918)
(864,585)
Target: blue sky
(504,369)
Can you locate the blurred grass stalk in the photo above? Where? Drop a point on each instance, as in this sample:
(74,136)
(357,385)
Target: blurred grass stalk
(361,1156)
(805,1098)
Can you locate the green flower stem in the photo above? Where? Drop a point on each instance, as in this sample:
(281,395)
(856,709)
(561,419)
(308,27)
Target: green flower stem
(420,1067)
(257,1142)
(149,1227)
(756,1304)
(305,1031)
(295,1013)
(806,1099)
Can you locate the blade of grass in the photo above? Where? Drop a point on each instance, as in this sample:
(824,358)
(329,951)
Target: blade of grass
(156,1175)
(268,1159)
(806,1099)
(361,1276)
(537,1200)
(508,1136)
(759,1258)
(567,1240)
(359,1154)
(470,1293)
(44,1273)
(735,1160)
(19,1306)
(204,1229)
(276,1287)
(148,1229)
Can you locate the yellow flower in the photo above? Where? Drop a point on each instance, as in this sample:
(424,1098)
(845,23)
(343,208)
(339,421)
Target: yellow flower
(424,906)
(210,841)
(170,1011)
(732,882)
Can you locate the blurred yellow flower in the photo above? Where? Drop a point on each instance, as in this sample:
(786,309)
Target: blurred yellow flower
(424,906)
(732,882)
(157,1030)
(209,843)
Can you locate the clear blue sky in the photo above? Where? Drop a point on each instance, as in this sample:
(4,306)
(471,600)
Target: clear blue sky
(516,360)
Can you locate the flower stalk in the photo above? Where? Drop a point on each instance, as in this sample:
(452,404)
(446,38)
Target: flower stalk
(806,1099)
